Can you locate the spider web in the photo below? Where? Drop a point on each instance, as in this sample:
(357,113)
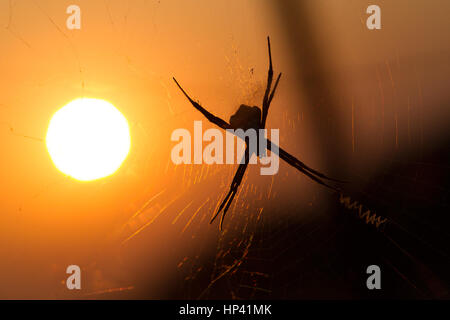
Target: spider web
(278,241)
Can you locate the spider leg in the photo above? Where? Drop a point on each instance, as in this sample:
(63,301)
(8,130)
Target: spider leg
(237,180)
(234,189)
(303,168)
(225,204)
(212,118)
(310,173)
(291,159)
(273,90)
(226,209)
(266,103)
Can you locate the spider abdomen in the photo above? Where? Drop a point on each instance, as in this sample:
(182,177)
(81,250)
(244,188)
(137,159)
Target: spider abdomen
(246,117)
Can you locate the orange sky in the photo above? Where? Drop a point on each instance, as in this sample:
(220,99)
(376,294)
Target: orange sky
(126,53)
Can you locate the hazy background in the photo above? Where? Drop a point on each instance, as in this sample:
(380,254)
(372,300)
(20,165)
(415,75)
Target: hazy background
(350,103)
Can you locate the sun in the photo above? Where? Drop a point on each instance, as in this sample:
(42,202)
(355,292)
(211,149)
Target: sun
(88,139)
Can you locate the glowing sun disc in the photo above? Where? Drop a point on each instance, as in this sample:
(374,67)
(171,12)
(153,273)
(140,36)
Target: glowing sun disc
(88,139)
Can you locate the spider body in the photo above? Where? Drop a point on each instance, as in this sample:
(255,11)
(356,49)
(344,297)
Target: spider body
(246,118)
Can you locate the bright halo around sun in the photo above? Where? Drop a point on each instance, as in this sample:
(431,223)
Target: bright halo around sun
(88,139)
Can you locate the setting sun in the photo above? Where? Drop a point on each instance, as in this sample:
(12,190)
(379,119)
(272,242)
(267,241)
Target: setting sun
(88,139)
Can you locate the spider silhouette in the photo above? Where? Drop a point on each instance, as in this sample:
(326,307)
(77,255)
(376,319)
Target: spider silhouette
(247,117)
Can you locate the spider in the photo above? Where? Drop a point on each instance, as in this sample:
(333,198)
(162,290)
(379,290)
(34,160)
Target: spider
(247,117)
